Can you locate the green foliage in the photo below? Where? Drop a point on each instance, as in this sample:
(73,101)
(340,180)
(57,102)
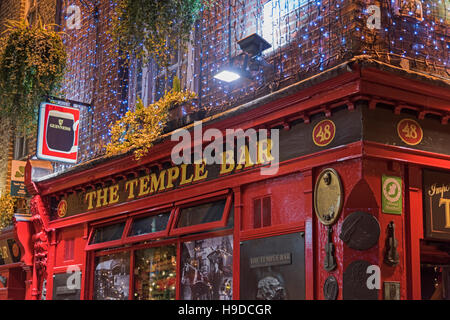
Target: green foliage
(32,64)
(145,29)
(138,129)
(7,204)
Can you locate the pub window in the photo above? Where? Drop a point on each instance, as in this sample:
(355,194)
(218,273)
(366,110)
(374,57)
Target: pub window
(207,269)
(151,224)
(155,273)
(276,17)
(204,213)
(151,81)
(20,147)
(112,277)
(203,216)
(108,233)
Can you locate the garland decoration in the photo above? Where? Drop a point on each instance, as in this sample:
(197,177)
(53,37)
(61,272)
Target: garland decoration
(32,64)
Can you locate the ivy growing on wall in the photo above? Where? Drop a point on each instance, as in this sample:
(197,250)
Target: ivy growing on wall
(32,64)
(146,29)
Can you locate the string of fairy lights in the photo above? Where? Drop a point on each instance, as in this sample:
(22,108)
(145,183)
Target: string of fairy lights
(307,36)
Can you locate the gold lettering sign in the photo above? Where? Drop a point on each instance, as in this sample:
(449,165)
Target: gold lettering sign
(436,193)
(150,183)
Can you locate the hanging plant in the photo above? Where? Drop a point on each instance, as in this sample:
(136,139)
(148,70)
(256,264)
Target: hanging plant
(32,63)
(153,28)
(138,129)
(7,205)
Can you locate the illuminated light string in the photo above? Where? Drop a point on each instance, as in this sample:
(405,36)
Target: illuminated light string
(318,32)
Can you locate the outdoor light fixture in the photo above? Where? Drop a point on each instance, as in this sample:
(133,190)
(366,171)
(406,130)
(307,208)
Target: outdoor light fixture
(252,47)
(228,74)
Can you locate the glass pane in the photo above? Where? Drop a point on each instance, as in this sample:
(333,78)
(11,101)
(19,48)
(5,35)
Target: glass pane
(112,277)
(155,273)
(207,269)
(204,213)
(108,233)
(150,224)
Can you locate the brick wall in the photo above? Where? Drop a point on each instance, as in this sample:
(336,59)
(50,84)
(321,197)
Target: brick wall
(17,10)
(9,10)
(93,75)
(317,35)
(320,35)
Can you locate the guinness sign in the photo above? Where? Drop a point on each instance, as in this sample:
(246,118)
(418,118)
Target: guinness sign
(436,193)
(58,133)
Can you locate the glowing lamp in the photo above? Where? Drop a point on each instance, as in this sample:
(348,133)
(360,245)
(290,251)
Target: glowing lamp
(228,75)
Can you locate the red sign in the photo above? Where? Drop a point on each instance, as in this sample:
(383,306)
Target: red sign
(323,133)
(410,131)
(58,133)
(62,209)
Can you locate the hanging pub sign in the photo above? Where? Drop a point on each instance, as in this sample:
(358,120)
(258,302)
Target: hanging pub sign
(58,133)
(436,194)
(18,179)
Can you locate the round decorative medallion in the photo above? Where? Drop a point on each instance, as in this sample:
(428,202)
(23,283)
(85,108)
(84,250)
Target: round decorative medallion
(360,231)
(323,133)
(15,250)
(62,209)
(410,131)
(328,196)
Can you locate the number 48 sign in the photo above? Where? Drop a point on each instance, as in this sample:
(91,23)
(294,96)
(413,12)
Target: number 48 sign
(409,131)
(323,133)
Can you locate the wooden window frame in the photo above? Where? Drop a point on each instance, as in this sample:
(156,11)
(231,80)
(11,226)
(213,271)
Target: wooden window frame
(222,223)
(152,235)
(107,244)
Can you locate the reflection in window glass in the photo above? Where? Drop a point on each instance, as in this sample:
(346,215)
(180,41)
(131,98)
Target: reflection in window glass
(204,213)
(150,224)
(155,273)
(108,233)
(112,277)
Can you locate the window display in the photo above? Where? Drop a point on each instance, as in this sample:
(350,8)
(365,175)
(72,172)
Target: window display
(112,277)
(273,268)
(155,273)
(207,269)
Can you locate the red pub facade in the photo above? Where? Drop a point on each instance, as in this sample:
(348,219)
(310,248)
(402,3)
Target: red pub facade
(354,97)
(367,142)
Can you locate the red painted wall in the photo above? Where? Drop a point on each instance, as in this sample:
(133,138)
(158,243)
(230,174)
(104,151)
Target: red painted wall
(66,251)
(287,205)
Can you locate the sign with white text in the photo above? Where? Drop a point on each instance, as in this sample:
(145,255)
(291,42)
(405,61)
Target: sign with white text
(18,188)
(58,133)
(391,195)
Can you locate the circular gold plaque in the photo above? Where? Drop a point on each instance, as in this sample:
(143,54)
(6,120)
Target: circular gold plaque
(328,196)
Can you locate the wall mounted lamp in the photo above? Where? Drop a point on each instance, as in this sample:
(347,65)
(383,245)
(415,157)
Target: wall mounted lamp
(252,47)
